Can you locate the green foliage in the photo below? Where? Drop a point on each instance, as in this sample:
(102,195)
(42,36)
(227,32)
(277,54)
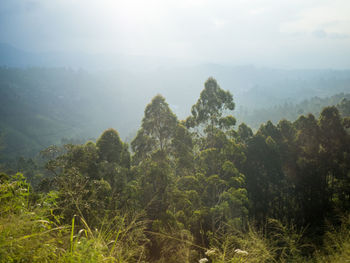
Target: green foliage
(212,103)
(35,233)
(26,233)
(292,110)
(121,239)
(14,194)
(110,147)
(336,243)
(344,107)
(186,193)
(244,132)
(236,246)
(158,127)
(182,150)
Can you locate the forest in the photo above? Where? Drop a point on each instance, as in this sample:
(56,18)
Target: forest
(40,106)
(201,189)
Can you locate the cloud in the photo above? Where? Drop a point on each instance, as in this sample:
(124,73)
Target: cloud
(328,16)
(323,34)
(31,6)
(218,23)
(257,11)
(9,7)
(320,33)
(239,31)
(338,36)
(15,7)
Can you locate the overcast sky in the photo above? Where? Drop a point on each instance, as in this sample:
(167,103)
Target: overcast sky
(290,33)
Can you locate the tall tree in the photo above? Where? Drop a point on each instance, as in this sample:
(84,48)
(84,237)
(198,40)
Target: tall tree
(110,147)
(182,150)
(157,129)
(211,107)
(335,154)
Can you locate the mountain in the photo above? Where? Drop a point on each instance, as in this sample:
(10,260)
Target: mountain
(43,100)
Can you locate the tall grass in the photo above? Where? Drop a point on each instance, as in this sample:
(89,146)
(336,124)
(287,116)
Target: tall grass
(34,233)
(274,243)
(28,237)
(121,239)
(224,247)
(336,247)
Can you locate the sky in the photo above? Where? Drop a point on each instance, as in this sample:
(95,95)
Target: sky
(272,33)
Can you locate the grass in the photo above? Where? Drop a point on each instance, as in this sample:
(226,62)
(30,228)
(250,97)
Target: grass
(336,248)
(35,233)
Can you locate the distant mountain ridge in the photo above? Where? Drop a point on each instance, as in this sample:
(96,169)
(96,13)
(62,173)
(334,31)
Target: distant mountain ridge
(43,100)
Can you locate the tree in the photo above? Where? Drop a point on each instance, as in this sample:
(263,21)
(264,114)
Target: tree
(110,146)
(335,154)
(210,113)
(310,180)
(344,107)
(211,106)
(157,129)
(244,132)
(182,146)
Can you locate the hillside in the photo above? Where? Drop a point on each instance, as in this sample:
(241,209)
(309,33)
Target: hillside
(199,190)
(40,106)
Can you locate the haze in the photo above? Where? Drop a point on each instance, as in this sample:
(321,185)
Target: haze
(271,33)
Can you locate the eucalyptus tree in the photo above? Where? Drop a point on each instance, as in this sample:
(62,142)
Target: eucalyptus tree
(153,162)
(335,155)
(157,129)
(153,157)
(182,151)
(217,155)
(110,147)
(211,108)
(344,107)
(244,133)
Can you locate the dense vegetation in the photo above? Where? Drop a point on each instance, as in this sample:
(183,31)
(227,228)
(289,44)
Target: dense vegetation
(40,106)
(291,111)
(184,191)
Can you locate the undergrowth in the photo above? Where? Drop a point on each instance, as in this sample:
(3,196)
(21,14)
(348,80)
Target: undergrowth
(31,230)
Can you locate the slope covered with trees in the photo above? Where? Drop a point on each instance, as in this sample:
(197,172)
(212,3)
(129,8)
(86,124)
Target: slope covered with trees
(40,106)
(291,111)
(187,191)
